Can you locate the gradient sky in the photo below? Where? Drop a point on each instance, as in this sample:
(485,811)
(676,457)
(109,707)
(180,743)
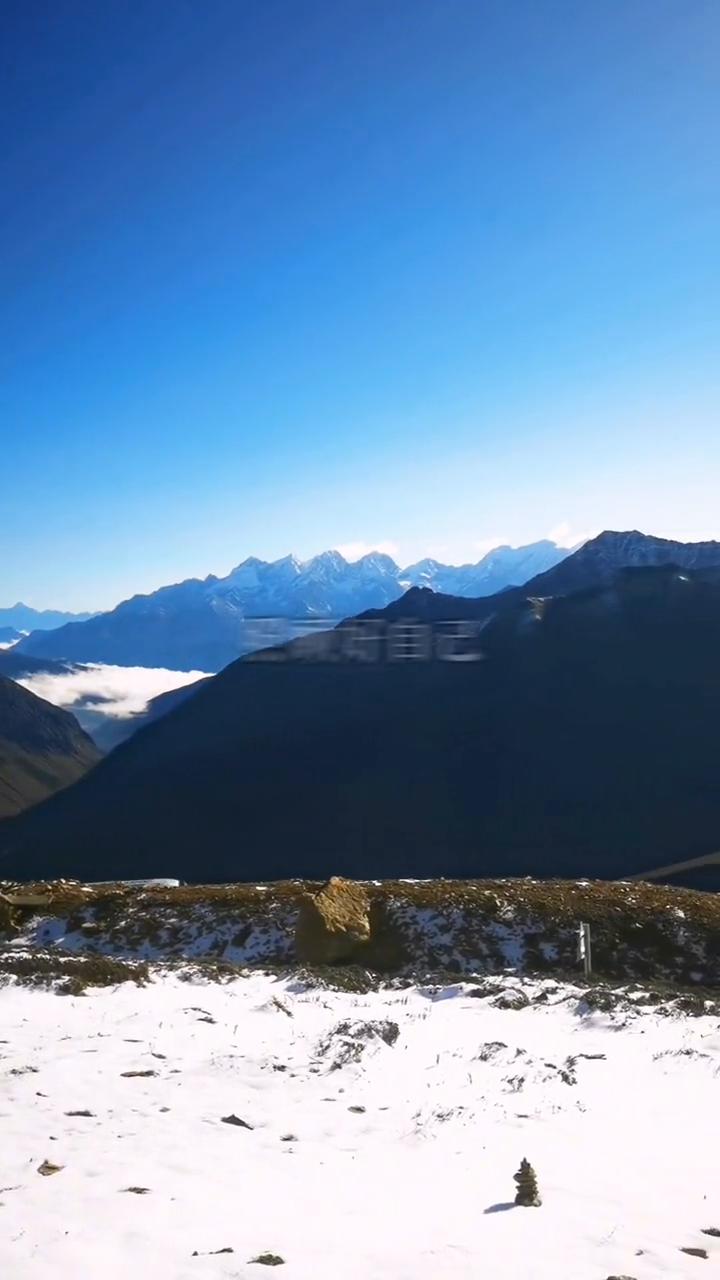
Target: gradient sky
(281,275)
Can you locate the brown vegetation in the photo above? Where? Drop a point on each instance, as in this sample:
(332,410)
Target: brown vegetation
(640,931)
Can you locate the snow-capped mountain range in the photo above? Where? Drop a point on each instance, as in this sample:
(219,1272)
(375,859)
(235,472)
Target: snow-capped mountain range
(203,624)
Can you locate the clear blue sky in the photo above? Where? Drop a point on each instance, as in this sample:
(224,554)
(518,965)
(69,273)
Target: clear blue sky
(288,274)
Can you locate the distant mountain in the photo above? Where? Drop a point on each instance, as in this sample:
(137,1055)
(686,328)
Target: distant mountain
(583,744)
(204,625)
(594,563)
(501,568)
(16,665)
(9,636)
(23,618)
(41,749)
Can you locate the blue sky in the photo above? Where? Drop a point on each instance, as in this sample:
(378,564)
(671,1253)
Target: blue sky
(296,274)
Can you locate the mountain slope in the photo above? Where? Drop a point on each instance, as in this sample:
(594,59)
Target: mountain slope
(585,743)
(594,564)
(14,664)
(41,749)
(598,560)
(23,618)
(204,625)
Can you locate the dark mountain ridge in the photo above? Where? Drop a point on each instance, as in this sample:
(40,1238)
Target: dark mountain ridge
(594,563)
(583,743)
(114,730)
(42,749)
(15,665)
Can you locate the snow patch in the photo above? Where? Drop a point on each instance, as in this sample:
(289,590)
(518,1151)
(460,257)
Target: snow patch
(396,1165)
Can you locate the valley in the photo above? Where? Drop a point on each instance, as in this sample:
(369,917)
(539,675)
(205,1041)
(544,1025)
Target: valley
(580,741)
(359,700)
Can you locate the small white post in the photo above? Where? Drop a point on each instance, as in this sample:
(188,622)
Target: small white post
(585,948)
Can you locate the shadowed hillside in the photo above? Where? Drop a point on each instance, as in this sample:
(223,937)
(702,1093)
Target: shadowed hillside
(41,749)
(595,564)
(584,743)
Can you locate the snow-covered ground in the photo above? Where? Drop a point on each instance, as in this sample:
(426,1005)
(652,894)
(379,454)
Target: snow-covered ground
(370,1154)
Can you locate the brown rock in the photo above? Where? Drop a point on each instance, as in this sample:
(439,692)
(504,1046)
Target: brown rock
(333,925)
(8,917)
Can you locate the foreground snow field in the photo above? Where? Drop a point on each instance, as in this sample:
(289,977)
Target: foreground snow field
(381,1152)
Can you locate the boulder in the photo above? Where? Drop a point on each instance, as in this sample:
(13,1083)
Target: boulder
(511,998)
(333,925)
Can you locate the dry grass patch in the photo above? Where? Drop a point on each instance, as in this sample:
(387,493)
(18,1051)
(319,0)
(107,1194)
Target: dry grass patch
(71,975)
(639,930)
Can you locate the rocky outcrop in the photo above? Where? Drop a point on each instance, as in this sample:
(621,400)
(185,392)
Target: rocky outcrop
(333,925)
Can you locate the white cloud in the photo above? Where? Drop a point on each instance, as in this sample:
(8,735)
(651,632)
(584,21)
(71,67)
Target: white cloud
(115,692)
(355,550)
(565,536)
(489,544)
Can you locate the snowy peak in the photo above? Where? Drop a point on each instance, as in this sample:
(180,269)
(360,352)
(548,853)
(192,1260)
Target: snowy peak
(328,563)
(329,585)
(202,624)
(424,567)
(377,562)
(502,567)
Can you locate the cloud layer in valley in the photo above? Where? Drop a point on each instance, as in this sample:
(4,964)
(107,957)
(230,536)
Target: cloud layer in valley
(114,692)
